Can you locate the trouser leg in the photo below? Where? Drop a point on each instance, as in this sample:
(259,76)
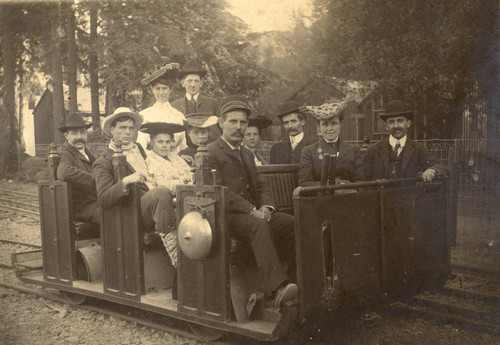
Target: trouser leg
(258,233)
(157,209)
(96,216)
(283,232)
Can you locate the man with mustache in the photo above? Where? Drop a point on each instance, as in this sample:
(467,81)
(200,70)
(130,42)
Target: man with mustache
(75,168)
(288,150)
(252,215)
(398,156)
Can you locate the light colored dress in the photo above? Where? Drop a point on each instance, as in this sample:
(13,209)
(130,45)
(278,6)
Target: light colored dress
(169,172)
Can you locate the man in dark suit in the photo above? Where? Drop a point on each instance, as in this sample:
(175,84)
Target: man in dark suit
(252,215)
(156,201)
(75,168)
(398,156)
(288,150)
(347,156)
(191,77)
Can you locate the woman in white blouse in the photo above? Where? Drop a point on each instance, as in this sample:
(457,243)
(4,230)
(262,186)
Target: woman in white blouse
(166,168)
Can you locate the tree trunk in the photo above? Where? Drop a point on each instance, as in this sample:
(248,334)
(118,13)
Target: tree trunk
(8,121)
(94,71)
(72,61)
(56,66)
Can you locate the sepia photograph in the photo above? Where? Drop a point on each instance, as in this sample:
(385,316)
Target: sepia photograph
(320,172)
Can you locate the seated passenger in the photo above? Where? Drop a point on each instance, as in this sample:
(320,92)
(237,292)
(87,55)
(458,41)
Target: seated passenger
(198,125)
(398,156)
(252,215)
(252,137)
(167,169)
(156,201)
(75,168)
(329,117)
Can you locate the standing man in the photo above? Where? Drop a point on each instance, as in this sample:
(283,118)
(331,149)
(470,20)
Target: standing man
(252,215)
(161,82)
(75,168)
(191,77)
(288,151)
(252,137)
(399,156)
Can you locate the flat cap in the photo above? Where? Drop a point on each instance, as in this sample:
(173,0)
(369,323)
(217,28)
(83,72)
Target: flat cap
(235,103)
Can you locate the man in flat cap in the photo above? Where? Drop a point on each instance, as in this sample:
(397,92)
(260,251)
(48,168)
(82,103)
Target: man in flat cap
(398,156)
(252,137)
(156,200)
(347,157)
(252,215)
(75,168)
(198,125)
(161,82)
(288,150)
(191,77)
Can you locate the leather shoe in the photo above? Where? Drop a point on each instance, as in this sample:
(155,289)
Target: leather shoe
(286,293)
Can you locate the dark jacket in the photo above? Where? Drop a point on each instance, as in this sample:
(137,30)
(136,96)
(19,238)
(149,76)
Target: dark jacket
(204,104)
(311,162)
(75,169)
(415,159)
(282,153)
(246,188)
(110,193)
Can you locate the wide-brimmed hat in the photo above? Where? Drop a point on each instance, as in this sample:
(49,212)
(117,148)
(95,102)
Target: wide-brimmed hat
(235,103)
(161,127)
(192,67)
(327,110)
(201,120)
(73,121)
(169,71)
(396,108)
(288,108)
(260,122)
(121,112)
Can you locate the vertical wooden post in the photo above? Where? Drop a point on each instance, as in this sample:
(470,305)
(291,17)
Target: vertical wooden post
(203,175)
(119,162)
(53,160)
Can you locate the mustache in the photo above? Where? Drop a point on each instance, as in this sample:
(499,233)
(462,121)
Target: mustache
(79,141)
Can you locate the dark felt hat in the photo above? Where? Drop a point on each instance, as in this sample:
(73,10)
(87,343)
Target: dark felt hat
(288,108)
(260,122)
(235,103)
(192,67)
(74,120)
(161,127)
(169,71)
(201,120)
(396,108)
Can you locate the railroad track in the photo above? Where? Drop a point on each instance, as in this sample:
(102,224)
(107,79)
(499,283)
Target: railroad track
(15,203)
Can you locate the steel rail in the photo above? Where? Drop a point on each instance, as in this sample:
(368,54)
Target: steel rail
(17,192)
(21,243)
(20,203)
(2,205)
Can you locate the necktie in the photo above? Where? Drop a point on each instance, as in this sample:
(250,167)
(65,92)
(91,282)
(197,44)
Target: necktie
(193,103)
(396,148)
(293,143)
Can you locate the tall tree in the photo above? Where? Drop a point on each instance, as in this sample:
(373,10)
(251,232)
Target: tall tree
(72,58)
(93,69)
(57,76)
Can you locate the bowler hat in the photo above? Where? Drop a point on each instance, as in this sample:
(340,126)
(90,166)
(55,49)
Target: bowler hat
(169,71)
(234,102)
(396,108)
(192,67)
(121,112)
(201,120)
(161,127)
(288,108)
(260,122)
(74,120)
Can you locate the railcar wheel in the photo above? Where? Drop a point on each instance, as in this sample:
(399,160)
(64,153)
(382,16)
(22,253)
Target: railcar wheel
(205,333)
(74,298)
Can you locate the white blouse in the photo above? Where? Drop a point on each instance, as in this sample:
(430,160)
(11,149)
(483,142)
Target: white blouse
(168,172)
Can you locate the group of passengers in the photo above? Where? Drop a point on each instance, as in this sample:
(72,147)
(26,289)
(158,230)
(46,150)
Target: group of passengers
(232,137)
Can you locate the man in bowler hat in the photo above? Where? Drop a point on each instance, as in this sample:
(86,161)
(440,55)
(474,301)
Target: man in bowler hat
(398,156)
(75,168)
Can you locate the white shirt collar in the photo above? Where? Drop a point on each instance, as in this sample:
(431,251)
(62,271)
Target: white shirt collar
(393,141)
(296,139)
(331,142)
(231,146)
(188,96)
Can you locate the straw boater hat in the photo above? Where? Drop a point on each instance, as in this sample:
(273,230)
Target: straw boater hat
(396,108)
(288,108)
(161,127)
(259,122)
(327,110)
(121,112)
(74,120)
(169,71)
(192,67)
(200,120)
(235,103)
